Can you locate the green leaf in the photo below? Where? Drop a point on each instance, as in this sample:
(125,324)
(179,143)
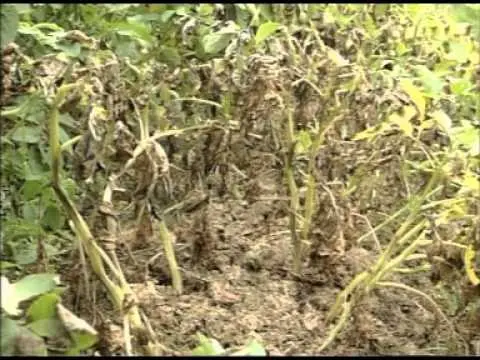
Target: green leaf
(466,136)
(215,42)
(27,134)
(67,120)
(9,329)
(415,94)
(265,30)
(403,119)
(460,86)
(32,188)
(470,183)
(169,56)
(443,120)
(126,48)
(33,285)
(137,31)
(143,18)
(432,83)
(459,52)
(31,211)
(167,15)
(53,218)
(304,142)
(207,346)
(205,9)
(44,307)
(84,340)
(8,25)
(48,328)
(72,50)
(5,265)
(63,135)
(25,252)
(254,348)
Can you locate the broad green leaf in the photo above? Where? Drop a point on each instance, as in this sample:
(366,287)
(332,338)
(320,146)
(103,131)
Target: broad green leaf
(205,9)
(72,50)
(443,120)
(9,329)
(47,327)
(34,285)
(469,260)
(459,52)
(169,56)
(31,211)
(126,48)
(32,188)
(83,340)
(304,142)
(403,120)
(432,83)
(265,30)
(8,25)
(53,218)
(144,18)
(470,183)
(215,42)
(17,228)
(25,252)
(443,67)
(44,307)
(48,26)
(137,31)
(167,15)
(64,137)
(207,346)
(4,265)
(27,134)
(460,86)
(254,348)
(67,120)
(416,95)
(402,49)
(466,136)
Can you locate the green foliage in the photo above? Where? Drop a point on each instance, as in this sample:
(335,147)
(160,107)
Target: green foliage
(211,347)
(24,331)
(424,57)
(8,24)
(265,30)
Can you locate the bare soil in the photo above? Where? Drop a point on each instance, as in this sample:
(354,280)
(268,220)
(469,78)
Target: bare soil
(236,263)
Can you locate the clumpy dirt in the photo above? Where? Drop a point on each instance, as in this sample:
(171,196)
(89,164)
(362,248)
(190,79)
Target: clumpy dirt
(238,287)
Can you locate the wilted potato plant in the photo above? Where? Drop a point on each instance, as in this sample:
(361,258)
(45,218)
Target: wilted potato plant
(241,155)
